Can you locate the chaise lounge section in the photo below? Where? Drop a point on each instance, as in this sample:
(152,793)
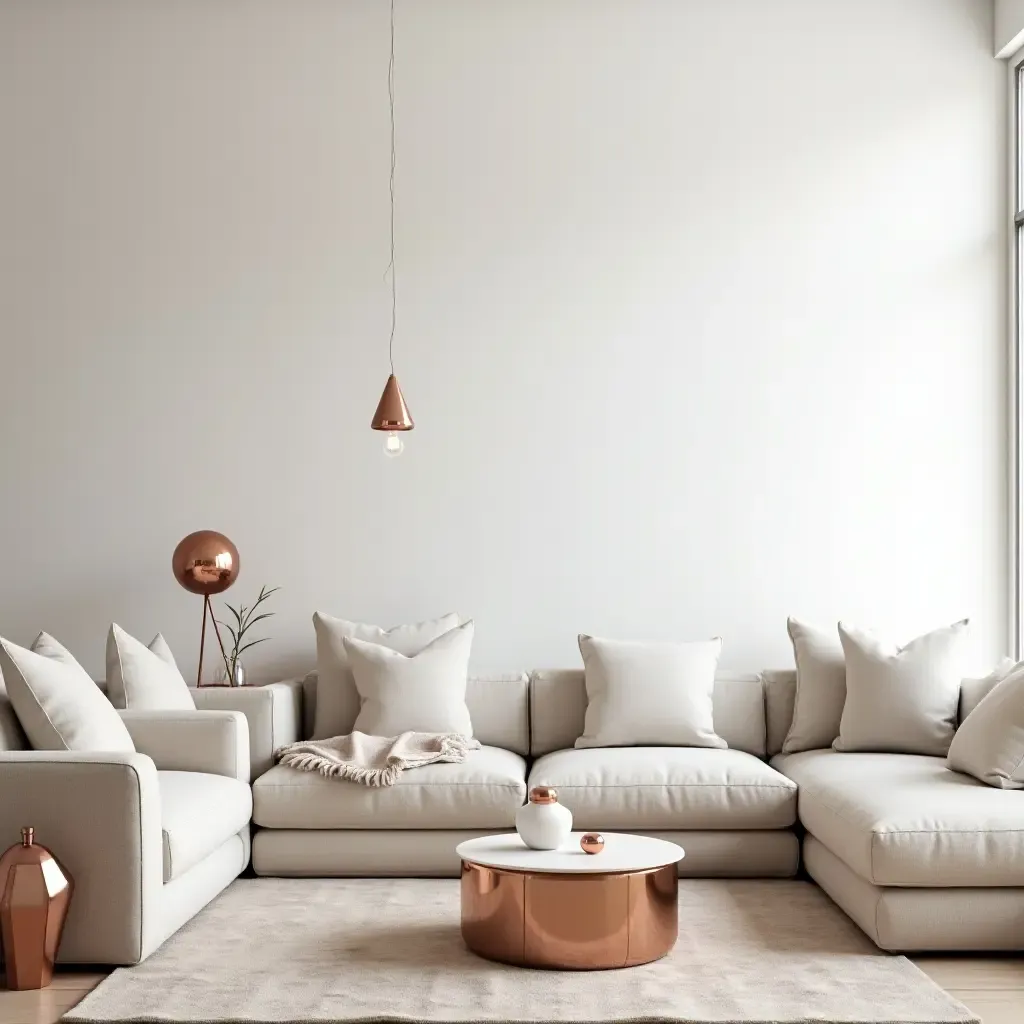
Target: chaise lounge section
(921,857)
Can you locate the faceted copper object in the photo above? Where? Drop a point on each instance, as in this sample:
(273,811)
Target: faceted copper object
(35,892)
(392,412)
(592,842)
(205,562)
(584,922)
(543,795)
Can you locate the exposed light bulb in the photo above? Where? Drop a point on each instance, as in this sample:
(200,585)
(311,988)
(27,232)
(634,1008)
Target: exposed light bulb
(393,446)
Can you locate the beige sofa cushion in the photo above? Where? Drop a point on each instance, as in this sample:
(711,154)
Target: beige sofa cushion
(56,701)
(499,708)
(820,687)
(989,744)
(198,813)
(649,694)
(141,678)
(338,701)
(907,820)
(902,699)
(421,692)
(558,707)
(668,788)
(485,791)
(973,691)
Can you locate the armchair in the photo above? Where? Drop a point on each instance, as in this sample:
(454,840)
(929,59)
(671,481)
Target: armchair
(150,837)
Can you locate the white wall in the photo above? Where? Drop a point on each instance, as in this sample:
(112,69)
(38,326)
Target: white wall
(701,317)
(1009,26)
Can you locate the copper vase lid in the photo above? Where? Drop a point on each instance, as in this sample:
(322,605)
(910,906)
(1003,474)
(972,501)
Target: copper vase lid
(543,795)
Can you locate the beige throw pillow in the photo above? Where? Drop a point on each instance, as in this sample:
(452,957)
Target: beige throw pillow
(990,741)
(820,687)
(56,701)
(422,693)
(144,678)
(337,700)
(973,690)
(649,694)
(902,700)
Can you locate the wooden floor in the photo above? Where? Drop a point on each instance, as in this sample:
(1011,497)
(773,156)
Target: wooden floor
(993,987)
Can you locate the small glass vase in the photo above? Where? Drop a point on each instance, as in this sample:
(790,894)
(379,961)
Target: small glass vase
(237,676)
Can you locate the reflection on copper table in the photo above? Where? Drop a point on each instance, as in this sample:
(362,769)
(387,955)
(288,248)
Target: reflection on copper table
(581,921)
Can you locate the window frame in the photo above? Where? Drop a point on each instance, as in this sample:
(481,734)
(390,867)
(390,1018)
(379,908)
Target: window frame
(1016,356)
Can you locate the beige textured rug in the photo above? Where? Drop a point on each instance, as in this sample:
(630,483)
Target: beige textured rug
(311,950)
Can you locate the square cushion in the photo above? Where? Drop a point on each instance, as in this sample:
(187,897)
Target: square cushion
(485,791)
(141,678)
(56,701)
(907,820)
(902,699)
(667,788)
(198,813)
(642,694)
(422,692)
(337,700)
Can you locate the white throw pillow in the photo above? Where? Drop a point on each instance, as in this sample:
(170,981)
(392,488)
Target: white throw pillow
(990,741)
(144,678)
(56,701)
(649,694)
(337,700)
(902,700)
(974,689)
(422,693)
(820,687)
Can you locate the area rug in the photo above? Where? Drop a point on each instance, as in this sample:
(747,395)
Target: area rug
(312,950)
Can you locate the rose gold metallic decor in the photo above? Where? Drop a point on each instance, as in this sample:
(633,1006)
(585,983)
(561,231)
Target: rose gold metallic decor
(543,795)
(206,562)
(392,412)
(586,921)
(592,842)
(35,891)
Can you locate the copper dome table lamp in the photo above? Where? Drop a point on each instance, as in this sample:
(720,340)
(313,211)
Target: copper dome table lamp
(206,563)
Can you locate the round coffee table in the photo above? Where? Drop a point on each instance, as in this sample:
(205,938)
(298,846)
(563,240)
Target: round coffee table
(568,909)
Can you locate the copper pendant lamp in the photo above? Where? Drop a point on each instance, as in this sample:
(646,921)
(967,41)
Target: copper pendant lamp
(392,413)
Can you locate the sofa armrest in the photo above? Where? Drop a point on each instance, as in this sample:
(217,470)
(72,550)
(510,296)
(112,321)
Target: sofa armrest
(100,815)
(215,742)
(274,714)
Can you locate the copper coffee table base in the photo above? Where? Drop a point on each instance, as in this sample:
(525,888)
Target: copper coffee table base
(584,922)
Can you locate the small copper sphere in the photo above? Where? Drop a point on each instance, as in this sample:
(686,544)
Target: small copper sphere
(205,562)
(592,842)
(543,795)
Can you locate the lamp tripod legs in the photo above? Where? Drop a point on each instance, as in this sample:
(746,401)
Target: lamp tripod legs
(208,610)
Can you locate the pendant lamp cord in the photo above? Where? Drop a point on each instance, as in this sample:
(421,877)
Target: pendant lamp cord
(391,186)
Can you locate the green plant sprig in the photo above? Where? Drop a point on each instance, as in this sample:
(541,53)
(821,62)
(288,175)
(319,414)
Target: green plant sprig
(245,619)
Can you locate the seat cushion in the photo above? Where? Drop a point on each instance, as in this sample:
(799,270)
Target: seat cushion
(906,819)
(667,788)
(485,791)
(198,813)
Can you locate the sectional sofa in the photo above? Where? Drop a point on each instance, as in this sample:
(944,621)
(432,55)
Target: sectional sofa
(920,857)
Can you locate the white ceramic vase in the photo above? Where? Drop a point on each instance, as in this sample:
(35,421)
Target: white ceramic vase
(543,823)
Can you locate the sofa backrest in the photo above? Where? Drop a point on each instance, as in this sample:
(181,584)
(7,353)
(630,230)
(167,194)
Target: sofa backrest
(558,705)
(498,706)
(779,696)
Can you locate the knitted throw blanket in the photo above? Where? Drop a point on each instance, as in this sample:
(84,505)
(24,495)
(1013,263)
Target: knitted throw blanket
(375,760)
